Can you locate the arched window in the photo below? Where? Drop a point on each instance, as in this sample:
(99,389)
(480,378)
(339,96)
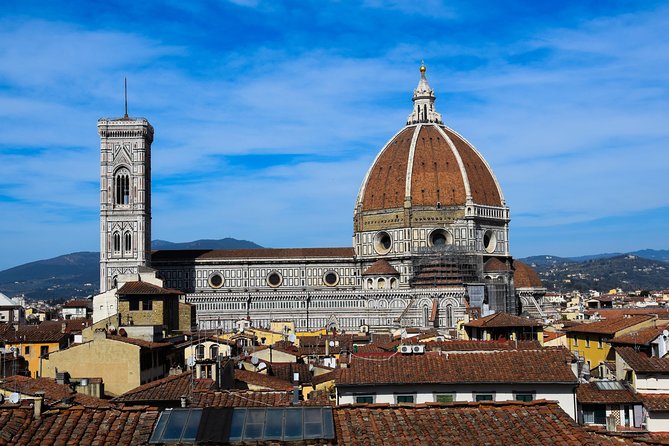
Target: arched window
(449,315)
(213,351)
(117,242)
(426,316)
(127,246)
(122,186)
(199,351)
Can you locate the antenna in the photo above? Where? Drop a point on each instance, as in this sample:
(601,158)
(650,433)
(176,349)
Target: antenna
(125,92)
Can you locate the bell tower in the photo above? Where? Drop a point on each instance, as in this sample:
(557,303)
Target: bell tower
(125,197)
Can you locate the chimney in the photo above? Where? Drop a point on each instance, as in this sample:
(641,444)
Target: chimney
(37,404)
(184,401)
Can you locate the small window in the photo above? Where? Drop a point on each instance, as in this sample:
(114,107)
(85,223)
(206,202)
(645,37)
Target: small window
(364,399)
(134,305)
(587,342)
(117,242)
(599,342)
(484,397)
(44,350)
(405,398)
(26,350)
(594,414)
(444,397)
(147,304)
(128,242)
(524,396)
(575,341)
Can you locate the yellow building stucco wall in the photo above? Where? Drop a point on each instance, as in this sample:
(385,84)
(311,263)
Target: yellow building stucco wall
(32,352)
(116,362)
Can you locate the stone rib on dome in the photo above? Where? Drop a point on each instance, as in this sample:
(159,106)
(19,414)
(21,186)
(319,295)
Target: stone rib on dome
(525,276)
(445,170)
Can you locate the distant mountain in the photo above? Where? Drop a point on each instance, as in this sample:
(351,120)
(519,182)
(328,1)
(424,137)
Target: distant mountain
(628,272)
(78,274)
(653,254)
(225,243)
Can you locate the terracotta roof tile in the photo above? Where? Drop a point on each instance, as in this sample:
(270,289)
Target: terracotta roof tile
(643,336)
(520,366)
(53,392)
(590,394)
(507,423)
(47,332)
(262,380)
(381,267)
(641,362)
(610,326)
(494,264)
(139,342)
(241,398)
(503,320)
(525,276)
(469,345)
(170,388)
(78,303)
(144,288)
(260,253)
(655,402)
(77,425)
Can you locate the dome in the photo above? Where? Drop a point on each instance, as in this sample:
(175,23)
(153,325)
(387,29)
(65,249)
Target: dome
(428,166)
(525,276)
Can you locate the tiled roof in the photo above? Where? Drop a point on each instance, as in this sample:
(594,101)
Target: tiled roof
(525,276)
(315,345)
(262,380)
(610,326)
(643,336)
(655,402)
(47,332)
(53,392)
(612,313)
(494,264)
(503,320)
(468,345)
(76,325)
(139,342)
(505,423)
(285,370)
(590,394)
(381,267)
(241,398)
(260,253)
(144,288)
(170,388)
(552,335)
(641,362)
(520,366)
(77,426)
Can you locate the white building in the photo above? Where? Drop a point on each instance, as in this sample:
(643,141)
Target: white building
(429,215)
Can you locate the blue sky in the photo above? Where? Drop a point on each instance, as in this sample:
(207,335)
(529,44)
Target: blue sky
(267,114)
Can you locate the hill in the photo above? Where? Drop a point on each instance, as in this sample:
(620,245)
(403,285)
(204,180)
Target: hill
(77,274)
(628,272)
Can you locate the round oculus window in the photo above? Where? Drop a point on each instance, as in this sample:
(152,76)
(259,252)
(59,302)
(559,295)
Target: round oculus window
(331,278)
(382,242)
(490,241)
(274,279)
(440,237)
(216,280)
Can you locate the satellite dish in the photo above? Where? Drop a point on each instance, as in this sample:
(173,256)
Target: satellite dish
(241,366)
(665,333)
(254,360)
(262,366)
(292,338)
(14,398)
(332,343)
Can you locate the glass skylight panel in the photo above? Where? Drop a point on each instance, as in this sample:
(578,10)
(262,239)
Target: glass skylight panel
(237,424)
(313,423)
(609,385)
(175,425)
(293,426)
(274,424)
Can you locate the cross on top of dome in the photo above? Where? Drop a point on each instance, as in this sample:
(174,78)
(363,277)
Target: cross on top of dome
(423,102)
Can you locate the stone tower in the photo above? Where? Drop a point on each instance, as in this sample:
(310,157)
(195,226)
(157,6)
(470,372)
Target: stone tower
(125,197)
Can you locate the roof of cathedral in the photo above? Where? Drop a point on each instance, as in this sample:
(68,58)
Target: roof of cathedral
(260,253)
(428,164)
(494,264)
(525,276)
(381,266)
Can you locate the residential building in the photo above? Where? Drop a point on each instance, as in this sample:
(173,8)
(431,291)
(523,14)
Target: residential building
(503,326)
(35,342)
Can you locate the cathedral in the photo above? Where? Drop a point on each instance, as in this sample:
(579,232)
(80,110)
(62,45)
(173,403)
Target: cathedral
(430,241)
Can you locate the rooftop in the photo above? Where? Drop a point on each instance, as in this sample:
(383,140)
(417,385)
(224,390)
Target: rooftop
(610,326)
(519,366)
(641,362)
(503,320)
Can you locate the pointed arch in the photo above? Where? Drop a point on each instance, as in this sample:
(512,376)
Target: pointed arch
(122,186)
(117,242)
(127,242)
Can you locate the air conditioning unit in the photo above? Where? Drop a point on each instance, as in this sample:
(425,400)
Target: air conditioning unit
(418,349)
(406,349)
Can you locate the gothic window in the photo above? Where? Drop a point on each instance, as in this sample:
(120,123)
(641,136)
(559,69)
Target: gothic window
(449,315)
(426,316)
(128,242)
(122,186)
(117,242)
(213,351)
